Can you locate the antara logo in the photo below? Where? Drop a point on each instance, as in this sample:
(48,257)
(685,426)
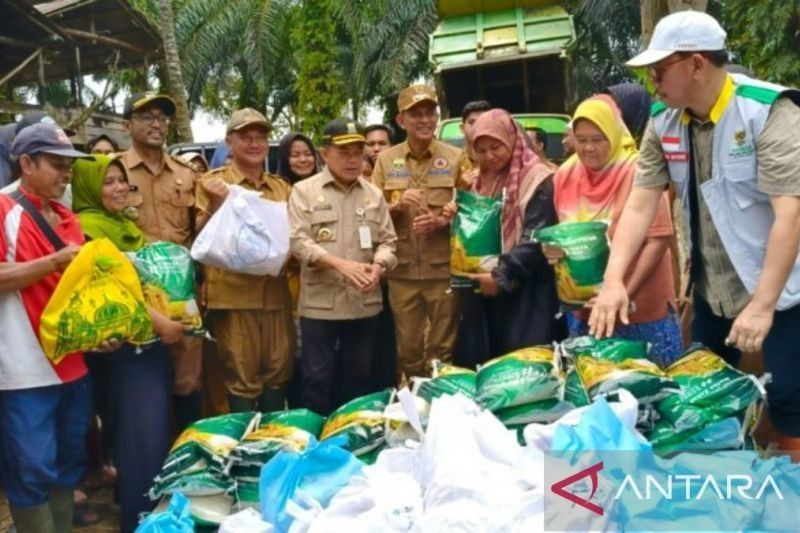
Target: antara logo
(669,487)
(591,473)
(725,489)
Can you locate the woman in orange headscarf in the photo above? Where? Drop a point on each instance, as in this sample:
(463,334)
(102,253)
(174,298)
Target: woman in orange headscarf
(594,184)
(517,303)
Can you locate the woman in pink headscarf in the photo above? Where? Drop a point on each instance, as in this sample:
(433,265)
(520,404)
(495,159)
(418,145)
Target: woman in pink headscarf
(517,303)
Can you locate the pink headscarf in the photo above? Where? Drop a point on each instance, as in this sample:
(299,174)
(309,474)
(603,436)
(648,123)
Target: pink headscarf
(525,171)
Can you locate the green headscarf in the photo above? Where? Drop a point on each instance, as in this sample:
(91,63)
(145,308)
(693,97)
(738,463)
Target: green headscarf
(87,202)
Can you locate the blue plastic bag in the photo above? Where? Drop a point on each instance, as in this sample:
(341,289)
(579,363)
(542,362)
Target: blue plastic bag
(176,519)
(313,477)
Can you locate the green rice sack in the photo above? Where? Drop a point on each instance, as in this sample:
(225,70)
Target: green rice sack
(579,275)
(247,493)
(203,483)
(543,412)
(448,379)
(613,349)
(167,273)
(641,377)
(522,376)
(574,392)
(361,420)
(210,440)
(282,430)
(476,236)
(710,390)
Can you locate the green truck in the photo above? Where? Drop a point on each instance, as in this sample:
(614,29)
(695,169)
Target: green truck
(509,52)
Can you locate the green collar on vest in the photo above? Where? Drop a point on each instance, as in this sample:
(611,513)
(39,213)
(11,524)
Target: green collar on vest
(657,107)
(759,94)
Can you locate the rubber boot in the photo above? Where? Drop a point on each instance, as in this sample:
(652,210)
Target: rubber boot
(38,519)
(272,399)
(240,404)
(188,409)
(62,506)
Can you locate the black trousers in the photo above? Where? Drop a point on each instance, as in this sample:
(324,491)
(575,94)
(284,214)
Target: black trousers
(780,359)
(336,359)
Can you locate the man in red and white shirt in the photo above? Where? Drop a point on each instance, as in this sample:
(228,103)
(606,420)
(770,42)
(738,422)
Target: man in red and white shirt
(45,408)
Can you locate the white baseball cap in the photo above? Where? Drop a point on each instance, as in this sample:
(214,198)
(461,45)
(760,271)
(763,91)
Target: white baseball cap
(684,31)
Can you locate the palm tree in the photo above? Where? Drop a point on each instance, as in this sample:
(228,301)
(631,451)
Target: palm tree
(244,52)
(172,62)
(388,42)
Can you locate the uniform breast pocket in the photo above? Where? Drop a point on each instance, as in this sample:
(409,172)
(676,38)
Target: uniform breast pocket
(134,211)
(182,196)
(741,176)
(438,197)
(393,190)
(178,209)
(324,225)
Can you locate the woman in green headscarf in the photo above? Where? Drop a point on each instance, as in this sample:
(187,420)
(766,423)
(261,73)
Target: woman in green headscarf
(99,198)
(133,389)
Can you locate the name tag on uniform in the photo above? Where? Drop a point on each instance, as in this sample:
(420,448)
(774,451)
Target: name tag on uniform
(365,237)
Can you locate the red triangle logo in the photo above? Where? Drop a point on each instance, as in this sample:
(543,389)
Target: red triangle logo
(591,473)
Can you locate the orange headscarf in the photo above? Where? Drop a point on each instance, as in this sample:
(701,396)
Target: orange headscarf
(582,194)
(525,171)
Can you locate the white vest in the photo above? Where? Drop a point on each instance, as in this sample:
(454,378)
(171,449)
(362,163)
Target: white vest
(742,214)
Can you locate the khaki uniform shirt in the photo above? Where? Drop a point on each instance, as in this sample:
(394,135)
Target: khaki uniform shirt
(163,201)
(466,163)
(325,218)
(437,172)
(778,174)
(233,290)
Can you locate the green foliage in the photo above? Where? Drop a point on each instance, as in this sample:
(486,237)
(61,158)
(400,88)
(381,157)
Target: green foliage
(389,41)
(320,85)
(608,34)
(268,54)
(766,37)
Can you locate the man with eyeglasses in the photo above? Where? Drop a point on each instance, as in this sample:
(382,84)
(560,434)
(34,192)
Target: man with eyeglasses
(249,316)
(729,144)
(161,203)
(418,177)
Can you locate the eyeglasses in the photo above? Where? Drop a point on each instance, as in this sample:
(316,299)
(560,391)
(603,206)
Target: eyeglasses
(258,140)
(658,70)
(151,119)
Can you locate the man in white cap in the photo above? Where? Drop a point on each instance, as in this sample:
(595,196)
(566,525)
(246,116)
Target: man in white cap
(729,145)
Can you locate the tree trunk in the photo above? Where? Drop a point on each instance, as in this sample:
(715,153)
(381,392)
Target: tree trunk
(172,62)
(683,5)
(655,10)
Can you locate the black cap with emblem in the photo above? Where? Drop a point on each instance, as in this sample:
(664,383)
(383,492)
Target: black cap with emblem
(343,131)
(137,101)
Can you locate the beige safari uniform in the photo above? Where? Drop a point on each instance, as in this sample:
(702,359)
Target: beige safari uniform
(164,204)
(325,218)
(419,287)
(251,316)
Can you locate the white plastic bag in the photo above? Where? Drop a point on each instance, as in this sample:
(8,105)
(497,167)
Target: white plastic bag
(540,436)
(246,521)
(376,502)
(248,234)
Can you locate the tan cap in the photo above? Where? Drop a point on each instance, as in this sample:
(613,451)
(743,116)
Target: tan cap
(415,94)
(247,117)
